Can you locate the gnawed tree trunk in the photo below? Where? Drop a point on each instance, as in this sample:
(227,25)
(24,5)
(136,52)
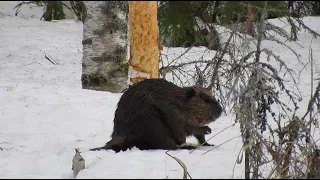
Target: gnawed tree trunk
(144,41)
(104,64)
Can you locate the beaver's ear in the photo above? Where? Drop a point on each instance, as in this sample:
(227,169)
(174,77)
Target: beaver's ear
(190,92)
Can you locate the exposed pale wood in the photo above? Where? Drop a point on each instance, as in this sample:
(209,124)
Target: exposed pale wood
(144,41)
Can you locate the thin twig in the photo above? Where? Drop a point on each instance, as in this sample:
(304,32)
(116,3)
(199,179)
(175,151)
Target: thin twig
(49,59)
(221,144)
(213,136)
(184,167)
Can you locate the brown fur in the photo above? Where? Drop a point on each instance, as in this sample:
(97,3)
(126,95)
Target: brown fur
(157,114)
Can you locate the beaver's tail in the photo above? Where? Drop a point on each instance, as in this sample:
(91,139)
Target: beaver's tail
(117,144)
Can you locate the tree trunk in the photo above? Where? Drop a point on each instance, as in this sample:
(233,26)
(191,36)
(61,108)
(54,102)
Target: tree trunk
(104,62)
(248,25)
(247,159)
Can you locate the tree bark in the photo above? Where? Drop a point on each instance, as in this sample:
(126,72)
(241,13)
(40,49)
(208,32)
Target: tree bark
(104,62)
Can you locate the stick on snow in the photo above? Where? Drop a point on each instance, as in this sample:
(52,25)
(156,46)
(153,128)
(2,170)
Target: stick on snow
(49,59)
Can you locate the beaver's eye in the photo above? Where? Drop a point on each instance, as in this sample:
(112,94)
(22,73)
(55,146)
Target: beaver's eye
(190,92)
(205,98)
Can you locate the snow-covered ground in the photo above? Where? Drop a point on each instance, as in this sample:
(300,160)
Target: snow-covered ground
(45,115)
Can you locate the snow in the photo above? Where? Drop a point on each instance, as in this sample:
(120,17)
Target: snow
(25,11)
(45,114)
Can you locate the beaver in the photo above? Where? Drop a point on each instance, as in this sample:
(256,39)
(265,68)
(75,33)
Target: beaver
(157,114)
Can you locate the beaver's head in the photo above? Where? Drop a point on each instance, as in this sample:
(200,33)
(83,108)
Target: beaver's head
(202,105)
